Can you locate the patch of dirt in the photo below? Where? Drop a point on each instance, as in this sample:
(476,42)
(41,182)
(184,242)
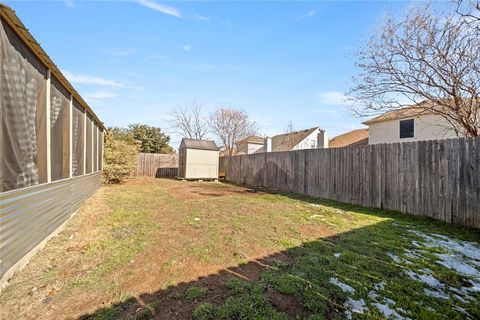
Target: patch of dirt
(207,190)
(316,230)
(290,304)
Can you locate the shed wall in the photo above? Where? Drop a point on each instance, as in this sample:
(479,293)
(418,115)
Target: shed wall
(201,164)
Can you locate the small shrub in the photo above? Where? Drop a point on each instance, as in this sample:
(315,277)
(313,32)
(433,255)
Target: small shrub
(120,159)
(204,311)
(194,293)
(284,283)
(236,285)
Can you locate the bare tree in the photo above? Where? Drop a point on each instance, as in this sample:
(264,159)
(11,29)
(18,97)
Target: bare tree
(290,127)
(469,10)
(230,125)
(288,130)
(432,61)
(189,122)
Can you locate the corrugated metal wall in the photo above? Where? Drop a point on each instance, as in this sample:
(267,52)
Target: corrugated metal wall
(30,215)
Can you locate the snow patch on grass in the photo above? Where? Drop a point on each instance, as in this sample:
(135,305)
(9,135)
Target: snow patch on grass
(457,263)
(388,312)
(425,278)
(345,287)
(355,306)
(436,294)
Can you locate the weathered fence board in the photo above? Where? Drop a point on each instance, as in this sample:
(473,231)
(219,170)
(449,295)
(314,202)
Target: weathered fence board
(148,165)
(438,179)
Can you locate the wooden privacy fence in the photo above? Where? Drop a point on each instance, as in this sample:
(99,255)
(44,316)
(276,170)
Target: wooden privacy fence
(438,179)
(157,165)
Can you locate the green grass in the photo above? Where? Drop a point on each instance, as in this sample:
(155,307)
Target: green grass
(193,293)
(143,237)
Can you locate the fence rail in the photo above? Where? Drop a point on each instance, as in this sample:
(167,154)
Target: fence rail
(156,165)
(438,179)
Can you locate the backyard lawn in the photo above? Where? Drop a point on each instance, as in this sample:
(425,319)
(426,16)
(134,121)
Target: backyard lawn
(165,249)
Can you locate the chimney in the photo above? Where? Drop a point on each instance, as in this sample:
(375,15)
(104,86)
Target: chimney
(268,144)
(322,140)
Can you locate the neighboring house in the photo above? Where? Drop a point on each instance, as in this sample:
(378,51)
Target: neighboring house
(298,140)
(352,138)
(408,124)
(198,159)
(249,145)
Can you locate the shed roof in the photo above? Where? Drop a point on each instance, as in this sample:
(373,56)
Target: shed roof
(351,138)
(199,144)
(9,16)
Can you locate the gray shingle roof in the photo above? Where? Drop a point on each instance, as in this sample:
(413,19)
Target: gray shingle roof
(199,144)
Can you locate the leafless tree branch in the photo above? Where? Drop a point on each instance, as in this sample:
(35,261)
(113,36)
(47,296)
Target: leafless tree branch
(426,58)
(230,125)
(189,122)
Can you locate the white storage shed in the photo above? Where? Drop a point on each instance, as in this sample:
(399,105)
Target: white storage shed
(198,159)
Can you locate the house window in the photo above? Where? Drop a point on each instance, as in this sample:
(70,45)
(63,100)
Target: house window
(407,129)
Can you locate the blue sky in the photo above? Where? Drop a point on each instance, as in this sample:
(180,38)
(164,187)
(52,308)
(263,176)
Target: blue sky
(135,61)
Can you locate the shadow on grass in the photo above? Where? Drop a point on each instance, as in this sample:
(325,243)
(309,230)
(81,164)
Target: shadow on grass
(363,272)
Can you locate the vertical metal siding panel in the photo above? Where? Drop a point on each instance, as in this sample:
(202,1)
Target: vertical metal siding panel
(30,215)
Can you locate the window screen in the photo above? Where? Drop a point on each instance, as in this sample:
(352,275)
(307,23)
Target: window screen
(59,131)
(89,164)
(407,128)
(78,134)
(95,148)
(100,150)
(22,108)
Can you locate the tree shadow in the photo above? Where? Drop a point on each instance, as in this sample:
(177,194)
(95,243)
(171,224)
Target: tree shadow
(297,283)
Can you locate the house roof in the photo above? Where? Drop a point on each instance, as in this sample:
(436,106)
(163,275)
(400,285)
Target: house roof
(286,141)
(252,139)
(407,112)
(200,144)
(351,138)
(9,16)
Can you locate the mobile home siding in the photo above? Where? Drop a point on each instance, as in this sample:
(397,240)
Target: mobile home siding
(30,215)
(42,139)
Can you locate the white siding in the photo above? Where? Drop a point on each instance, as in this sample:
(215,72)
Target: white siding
(201,164)
(252,147)
(426,127)
(311,141)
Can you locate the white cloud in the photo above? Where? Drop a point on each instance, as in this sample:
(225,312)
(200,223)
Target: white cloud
(158,56)
(70,3)
(91,80)
(327,111)
(200,17)
(119,52)
(187,47)
(101,94)
(309,14)
(160,8)
(333,98)
(227,23)
(96,81)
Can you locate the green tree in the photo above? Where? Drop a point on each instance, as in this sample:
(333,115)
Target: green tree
(120,157)
(122,134)
(151,139)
